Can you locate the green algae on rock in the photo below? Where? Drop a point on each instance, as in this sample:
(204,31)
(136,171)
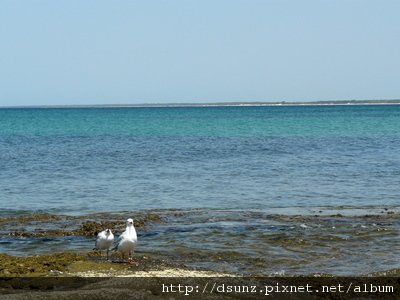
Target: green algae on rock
(37,264)
(70,264)
(91,228)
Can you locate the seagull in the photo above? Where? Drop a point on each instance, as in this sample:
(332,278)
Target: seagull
(127,240)
(104,241)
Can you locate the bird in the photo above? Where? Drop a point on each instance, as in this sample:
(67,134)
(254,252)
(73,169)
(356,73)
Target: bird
(104,241)
(127,240)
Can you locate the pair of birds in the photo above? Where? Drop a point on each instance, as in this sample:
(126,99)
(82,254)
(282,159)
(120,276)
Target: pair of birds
(125,243)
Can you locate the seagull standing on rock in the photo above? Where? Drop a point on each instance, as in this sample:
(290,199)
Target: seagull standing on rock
(104,241)
(127,240)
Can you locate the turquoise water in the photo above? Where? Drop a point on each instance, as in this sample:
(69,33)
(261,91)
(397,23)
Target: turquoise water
(79,160)
(253,190)
(287,121)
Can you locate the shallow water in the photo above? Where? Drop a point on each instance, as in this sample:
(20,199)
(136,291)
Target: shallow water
(250,242)
(227,182)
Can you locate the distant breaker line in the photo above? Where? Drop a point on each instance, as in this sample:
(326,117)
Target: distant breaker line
(222,104)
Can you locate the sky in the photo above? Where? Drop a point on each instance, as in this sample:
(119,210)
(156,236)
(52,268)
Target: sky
(129,52)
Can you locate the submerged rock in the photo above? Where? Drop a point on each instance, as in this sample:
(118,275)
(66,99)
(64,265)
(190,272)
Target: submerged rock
(59,225)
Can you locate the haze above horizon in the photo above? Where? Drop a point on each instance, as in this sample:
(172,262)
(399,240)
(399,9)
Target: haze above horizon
(131,52)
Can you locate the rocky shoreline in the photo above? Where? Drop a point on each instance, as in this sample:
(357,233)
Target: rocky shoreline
(51,245)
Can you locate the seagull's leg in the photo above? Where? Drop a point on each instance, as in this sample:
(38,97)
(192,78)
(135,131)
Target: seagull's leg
(107,252)
(131,261)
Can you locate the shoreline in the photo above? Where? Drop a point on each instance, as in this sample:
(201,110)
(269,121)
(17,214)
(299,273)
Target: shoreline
(277,245)
(70,264)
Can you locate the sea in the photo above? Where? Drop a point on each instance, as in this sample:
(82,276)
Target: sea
(259,190)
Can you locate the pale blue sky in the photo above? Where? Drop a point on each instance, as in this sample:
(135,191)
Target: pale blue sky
(111,52)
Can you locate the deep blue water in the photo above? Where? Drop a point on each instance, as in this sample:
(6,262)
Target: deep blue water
(79,160)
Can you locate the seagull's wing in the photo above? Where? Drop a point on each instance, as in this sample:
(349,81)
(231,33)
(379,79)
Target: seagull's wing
(119,239)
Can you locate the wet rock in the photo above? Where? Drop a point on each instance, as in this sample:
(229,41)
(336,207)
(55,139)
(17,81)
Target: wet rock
(38,264)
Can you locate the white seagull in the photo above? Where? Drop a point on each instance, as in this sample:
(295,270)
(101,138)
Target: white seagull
(104,241)
(127,240)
